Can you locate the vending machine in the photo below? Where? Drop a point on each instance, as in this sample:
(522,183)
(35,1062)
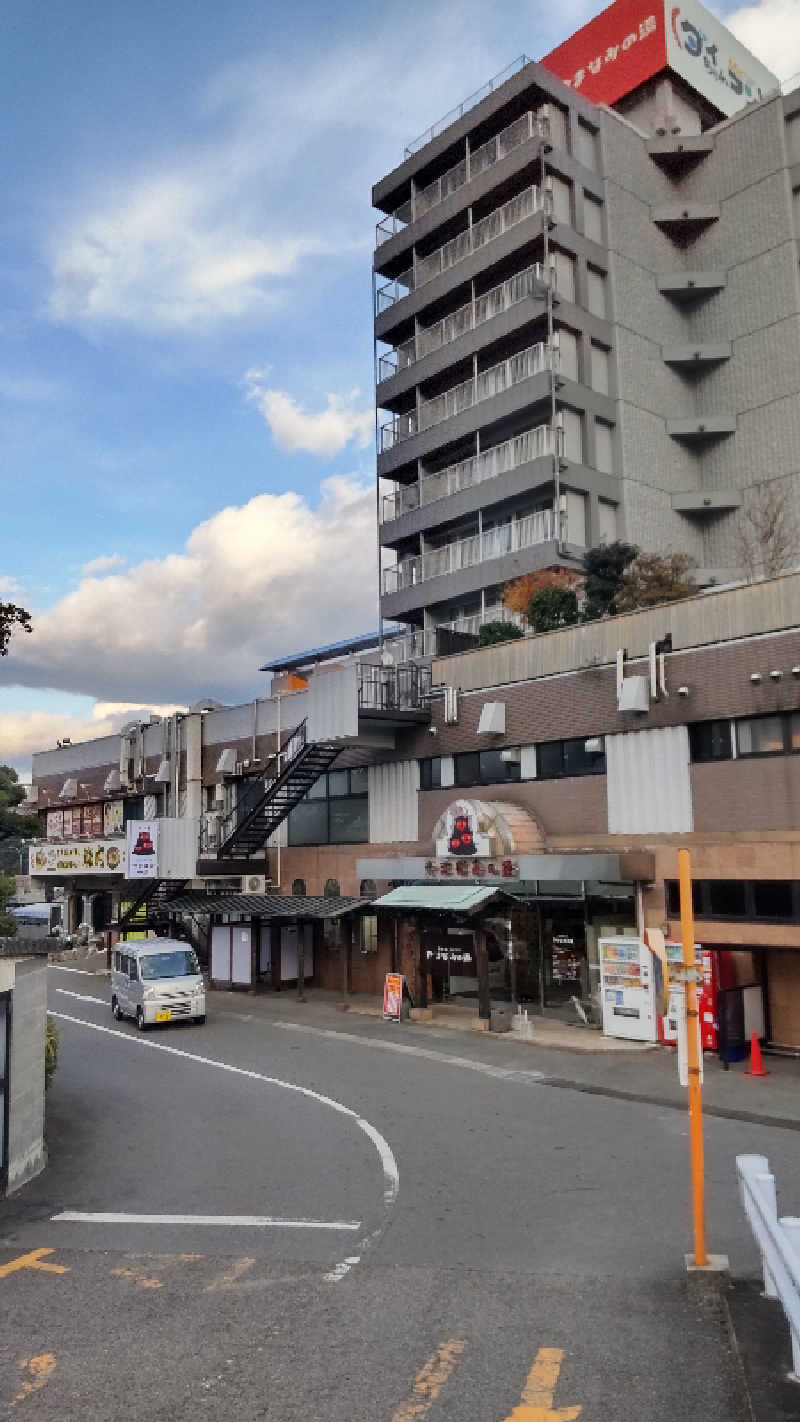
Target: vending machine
(707,988)
(627,989)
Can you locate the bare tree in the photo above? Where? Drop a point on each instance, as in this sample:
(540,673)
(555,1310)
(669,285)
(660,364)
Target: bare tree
(768,540)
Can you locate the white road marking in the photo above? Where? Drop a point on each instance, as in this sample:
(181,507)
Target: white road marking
(84,972)
(334,1275)
(82,997)
(391,1174)
(221,1221)
(428,1053)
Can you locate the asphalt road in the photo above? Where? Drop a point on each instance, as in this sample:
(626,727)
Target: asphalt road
(424,1241)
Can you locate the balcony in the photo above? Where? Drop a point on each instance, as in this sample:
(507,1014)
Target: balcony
(534,281)
(491,152)
(525,204)
(524,532)
(438,641)
(482,386)
(531,444)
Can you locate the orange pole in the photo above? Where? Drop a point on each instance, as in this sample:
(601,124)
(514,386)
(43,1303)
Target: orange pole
(693,1060)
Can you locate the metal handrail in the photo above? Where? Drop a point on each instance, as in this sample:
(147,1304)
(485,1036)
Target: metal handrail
(526,532)
(778,1241)
(222,827)
(469,103)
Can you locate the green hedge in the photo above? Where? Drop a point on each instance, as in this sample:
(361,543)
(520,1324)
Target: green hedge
(50,1051)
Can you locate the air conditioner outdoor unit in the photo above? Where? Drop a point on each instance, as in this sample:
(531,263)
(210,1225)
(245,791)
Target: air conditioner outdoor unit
(594,745)
(512,756)
(256,884)
(226,764)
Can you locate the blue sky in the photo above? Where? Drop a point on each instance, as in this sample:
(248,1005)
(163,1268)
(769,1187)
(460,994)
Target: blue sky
(186,452)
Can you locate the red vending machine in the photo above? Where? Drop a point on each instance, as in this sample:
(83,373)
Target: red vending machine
(708,962)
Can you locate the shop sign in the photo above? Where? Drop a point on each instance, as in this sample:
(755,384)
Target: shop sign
(55,824)
(143,849)
(95,856)
(472,841)
(393,996)
(445,869)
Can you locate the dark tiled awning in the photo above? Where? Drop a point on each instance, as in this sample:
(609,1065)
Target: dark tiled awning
(266,905)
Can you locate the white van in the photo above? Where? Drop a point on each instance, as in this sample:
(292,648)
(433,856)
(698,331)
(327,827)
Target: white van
(157,980)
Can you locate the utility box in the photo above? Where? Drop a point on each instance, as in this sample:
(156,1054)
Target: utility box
(501,1017)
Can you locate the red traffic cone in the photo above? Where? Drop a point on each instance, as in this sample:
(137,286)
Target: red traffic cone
(756,1067)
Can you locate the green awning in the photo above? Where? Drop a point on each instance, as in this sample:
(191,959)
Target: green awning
(439,898)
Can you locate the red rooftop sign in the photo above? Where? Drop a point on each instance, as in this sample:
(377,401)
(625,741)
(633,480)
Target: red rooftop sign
(633,40)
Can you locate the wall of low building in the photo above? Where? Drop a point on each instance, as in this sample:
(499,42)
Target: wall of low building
(26,1152)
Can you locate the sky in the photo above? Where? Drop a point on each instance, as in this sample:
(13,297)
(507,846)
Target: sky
(186,419)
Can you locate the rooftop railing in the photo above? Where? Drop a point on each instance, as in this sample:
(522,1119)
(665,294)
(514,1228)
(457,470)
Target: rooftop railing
(469,103)
(533,281)
(524,205)
(521,449)
(470,392)
(413,644)
(525,532)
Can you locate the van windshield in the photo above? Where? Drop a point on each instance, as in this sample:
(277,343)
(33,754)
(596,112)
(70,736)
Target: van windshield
(180,963)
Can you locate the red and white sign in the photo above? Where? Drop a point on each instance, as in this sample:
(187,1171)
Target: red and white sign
(615,52)
(393,996)
(499,868)
(633,40)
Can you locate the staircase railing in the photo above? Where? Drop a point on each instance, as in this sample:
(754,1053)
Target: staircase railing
(253,794)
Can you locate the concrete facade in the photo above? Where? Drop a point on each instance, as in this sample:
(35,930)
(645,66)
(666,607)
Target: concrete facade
(23,974)
(677,308)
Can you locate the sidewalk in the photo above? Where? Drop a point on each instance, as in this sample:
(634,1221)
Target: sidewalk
(558,1055)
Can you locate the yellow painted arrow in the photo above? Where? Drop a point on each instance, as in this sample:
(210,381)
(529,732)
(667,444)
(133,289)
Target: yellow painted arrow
(538,1392)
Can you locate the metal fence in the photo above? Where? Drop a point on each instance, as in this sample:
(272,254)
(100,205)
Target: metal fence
(777,1239)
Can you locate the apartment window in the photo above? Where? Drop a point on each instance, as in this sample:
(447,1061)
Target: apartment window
(430,773)
(767,735)
(586,145)
(592,218)
(601,365)
(604,446)
(596,291)
(334,811)
(710,740)
(565,275)
(484,768)
(558,759)
(758,900)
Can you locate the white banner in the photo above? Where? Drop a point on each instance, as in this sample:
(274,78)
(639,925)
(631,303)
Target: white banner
(143,849)
(711,60)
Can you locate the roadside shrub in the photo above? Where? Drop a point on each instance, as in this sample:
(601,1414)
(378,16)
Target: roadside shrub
(50,1051)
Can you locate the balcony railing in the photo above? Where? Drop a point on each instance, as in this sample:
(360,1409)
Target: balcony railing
(411,645)
(516,210)
(480,159)
(392,688)
(524,532)
(531,444)
(533,281)
(532,361)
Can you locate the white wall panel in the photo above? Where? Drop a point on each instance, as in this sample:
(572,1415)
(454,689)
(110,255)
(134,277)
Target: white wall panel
(333,704)
(393,802)
(527,762)
(648,783)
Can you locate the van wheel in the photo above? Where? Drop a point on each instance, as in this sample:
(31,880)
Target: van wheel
(115,1012)
(140,1022)
(200,1020)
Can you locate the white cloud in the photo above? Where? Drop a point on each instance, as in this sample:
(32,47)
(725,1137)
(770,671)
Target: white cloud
(24,732)
(106,563)
(219,228)
(254,581)
(293,428)
(771,31)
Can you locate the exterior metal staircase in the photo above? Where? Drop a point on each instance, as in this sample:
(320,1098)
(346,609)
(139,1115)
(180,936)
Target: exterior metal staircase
(148,904)
(265,801)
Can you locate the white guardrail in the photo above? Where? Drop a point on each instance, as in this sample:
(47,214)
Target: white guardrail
(778,1241)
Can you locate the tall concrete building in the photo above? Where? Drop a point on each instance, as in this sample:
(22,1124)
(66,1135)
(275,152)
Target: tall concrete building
(587,292)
